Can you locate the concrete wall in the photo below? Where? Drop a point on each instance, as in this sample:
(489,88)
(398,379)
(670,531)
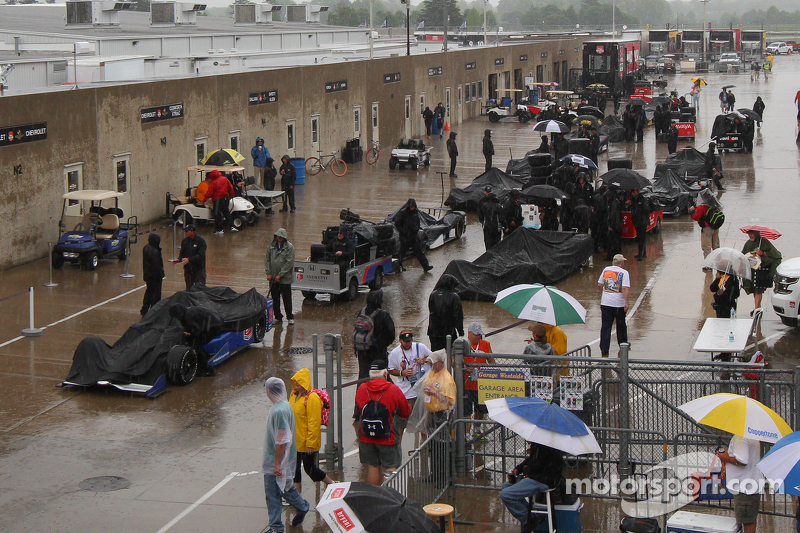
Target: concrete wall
(92,125)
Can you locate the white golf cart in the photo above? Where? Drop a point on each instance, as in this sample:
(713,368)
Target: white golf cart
(187,210)
(411,152)
(504,107)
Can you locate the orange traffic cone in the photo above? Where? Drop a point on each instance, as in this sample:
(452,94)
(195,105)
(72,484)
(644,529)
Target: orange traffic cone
(446,126)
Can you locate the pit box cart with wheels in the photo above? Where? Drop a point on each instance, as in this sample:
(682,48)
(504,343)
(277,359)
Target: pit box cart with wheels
(728,136)
(96,232)
(412,152)
(262,199)
(374,245)
(186,210)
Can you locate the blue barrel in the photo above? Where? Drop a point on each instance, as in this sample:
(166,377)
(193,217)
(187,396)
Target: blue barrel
(300,168)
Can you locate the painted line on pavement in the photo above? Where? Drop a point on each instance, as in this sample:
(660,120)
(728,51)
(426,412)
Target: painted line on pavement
(203,498)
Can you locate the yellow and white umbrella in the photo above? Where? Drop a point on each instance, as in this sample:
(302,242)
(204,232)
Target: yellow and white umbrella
(739,415)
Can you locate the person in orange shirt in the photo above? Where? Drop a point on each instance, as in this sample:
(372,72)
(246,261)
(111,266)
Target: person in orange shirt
(479,345)
(202,190)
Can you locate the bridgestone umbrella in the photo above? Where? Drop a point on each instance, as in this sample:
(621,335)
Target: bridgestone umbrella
(581,160)
(353,507)
(782,462)
(544,191)
(625,178)
(542,304)
(587,120)
(739,415)
(551,126)
(729,261)
(224,156)
(542,422)
(767,233)
(598,87)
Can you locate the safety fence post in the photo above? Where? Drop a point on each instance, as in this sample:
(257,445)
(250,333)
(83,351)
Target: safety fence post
(459,348)
(624,410)
(796,396)
(174,240)
(31,331)
(127,273)
(50,264)
(315,360)
(330,444)
(339,394)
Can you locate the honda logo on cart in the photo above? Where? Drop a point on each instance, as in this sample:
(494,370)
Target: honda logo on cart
(343,519)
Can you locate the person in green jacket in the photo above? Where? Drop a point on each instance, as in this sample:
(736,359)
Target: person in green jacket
(770,259)
(279,265)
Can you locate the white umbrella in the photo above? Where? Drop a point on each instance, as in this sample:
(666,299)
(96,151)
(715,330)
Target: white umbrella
(729,261)
(551,126)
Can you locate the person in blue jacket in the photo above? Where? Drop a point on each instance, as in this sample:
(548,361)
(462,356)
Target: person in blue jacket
(260,153)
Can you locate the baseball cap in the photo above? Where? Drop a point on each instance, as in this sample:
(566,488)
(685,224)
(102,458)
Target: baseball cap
(618,258)
(475,329)
(189,227)
(488,188)
(378,364)
(407,336)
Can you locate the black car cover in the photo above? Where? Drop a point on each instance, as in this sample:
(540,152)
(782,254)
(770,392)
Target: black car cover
(430,226)
(140,355)
(612,126)
(685,162)
(467,199)
(723,124)
(527,256)
(671,192)
(520,168)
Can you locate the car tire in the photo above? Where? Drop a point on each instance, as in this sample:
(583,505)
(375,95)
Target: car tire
(181,365)
(460,228)
(260,329)
(494,117)
(791,322)
(309,295)
(523,118)
(392,163)
(414,164)
(91,260)
(58,259)
(252,218)
(240,222)
(352,290)
(377,281)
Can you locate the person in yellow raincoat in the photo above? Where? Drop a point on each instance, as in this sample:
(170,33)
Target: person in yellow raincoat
(307,407)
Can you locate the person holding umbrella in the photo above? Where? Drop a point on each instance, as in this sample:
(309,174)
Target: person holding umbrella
(769,259)
(696,89)
(743,479)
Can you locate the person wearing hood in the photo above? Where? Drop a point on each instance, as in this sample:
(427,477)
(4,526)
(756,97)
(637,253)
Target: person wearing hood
(490,214)
(200,326)
(427,116)
(382,333)
(279,461)
(452,151)
(307,407)
(152,272)
(713,167)
(672,138)
(512,213)
(445,315)
(613,225)
(221,193)
(759,108)
(438,113)
(260,154)
(488,148)
(544,147)
(288,179)
(341,251)
(407,223)
(279,266)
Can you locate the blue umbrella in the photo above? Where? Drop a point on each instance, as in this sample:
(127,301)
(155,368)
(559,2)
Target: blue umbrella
(782,462)
(547,415)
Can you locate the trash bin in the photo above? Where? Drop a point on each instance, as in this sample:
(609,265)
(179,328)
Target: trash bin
(300,168)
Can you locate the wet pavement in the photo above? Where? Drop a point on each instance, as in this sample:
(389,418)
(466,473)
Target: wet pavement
(187,444)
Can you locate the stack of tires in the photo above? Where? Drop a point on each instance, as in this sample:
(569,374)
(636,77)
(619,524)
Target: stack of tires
(541,168)
(688,114)
(353,153)
(581,147)
(387,243)
(620,162)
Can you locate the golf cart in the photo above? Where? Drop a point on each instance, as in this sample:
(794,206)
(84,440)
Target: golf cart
(96,230)
(186,209)
(411,152)
(504,107)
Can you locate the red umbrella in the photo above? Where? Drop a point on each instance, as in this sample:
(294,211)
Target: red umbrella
(767,233)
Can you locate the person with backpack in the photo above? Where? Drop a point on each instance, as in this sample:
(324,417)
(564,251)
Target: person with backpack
(446,317)
(307,404)
(406,366)
(379,401)
(709,236)
(373,331)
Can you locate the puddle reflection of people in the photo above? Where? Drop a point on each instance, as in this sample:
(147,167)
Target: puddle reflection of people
(539,472)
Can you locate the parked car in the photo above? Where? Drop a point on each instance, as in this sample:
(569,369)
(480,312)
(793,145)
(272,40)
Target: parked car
(795,46)
(786,291)
(412,152)
(779,47)
(666,64)
(651,64)
(729,61)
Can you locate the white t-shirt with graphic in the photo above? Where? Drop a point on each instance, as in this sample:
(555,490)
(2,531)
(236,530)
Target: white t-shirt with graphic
(613,279)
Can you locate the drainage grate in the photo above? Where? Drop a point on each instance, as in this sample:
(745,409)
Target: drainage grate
(104,484)
(298,350)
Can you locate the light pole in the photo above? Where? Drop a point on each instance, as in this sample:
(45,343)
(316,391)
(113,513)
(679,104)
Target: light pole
(371,32)
(613,18)
(704,29)
(485,41)
(408,26)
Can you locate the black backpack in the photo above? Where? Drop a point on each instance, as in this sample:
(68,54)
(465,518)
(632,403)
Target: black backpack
(375,419)
(364,330)
(715,218)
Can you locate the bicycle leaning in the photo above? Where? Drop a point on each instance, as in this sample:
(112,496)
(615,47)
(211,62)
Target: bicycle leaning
(316,164)
(374,153)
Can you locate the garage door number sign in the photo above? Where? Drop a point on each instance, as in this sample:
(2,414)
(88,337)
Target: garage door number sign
(23,134)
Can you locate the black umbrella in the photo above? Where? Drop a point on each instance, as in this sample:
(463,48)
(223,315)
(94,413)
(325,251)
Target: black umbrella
(726,87)
(587,120)
(637,101)
(749,113)
(378,509)
(659,100)
(590,110)
(544,191)
(625,179)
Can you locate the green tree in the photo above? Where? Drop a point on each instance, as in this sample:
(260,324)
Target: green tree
(433,13)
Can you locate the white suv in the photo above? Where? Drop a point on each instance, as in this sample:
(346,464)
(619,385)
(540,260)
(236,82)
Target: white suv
(778,48)
(786,291)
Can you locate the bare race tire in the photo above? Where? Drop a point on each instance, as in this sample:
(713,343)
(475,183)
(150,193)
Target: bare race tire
(58,259)
(372,156)
(377,281)
(460,228)
(313,166)
(260,329)
(392,163)
(91,260)
(339,167)
(523,118)
(181,365)
(252,218)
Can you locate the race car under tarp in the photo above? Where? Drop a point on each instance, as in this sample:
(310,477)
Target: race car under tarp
(448,226)
(527,256)
(520,168)
(140,355)
(612,126)
(686,162)
(467,199)
(673,193)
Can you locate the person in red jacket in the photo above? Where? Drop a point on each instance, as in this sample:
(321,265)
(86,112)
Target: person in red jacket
(220,192)
(709,237)
(384,451)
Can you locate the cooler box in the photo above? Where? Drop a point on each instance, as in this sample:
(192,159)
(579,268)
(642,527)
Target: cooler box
(686,522)
(300,169)
(530,216)
(568,518)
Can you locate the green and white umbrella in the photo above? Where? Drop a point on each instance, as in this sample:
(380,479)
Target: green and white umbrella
(542,304)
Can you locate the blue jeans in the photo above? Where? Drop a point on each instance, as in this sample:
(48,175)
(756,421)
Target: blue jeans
(514,494)
(609,314)
(275,505)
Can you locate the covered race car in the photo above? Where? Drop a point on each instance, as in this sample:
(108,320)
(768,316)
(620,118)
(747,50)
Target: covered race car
(467,199)
(410,152)
(526,256)
(687,162)
(152,352)
(438,226)
(671,192)
(613,128)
